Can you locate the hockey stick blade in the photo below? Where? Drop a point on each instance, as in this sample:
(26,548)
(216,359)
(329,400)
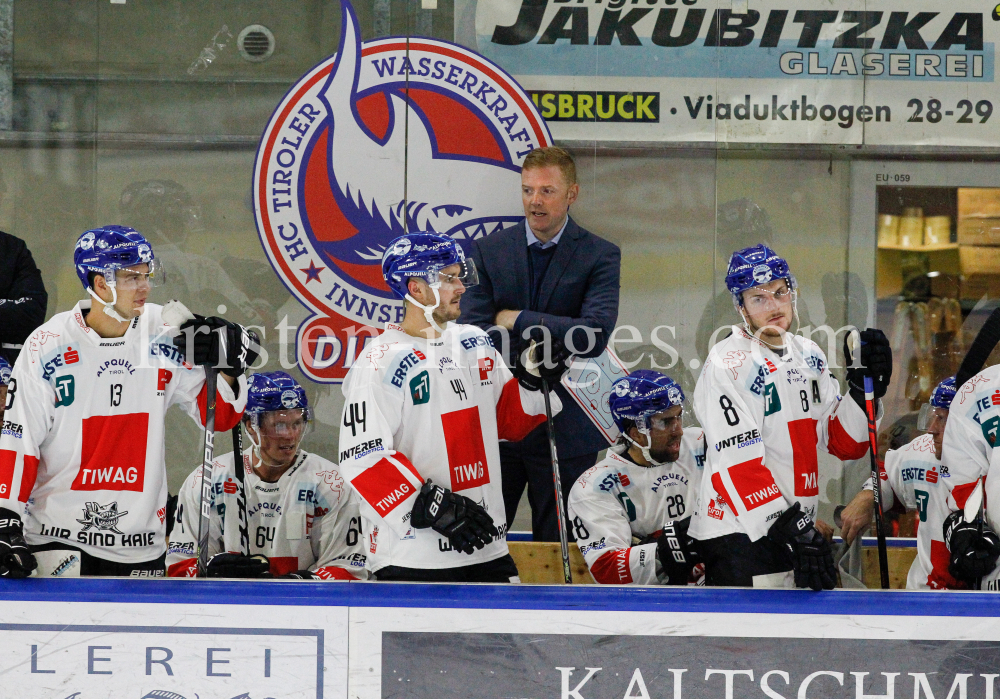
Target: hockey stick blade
(980,350)
(974,505)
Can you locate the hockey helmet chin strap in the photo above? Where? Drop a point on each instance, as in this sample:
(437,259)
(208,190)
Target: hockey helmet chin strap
(644,431)
(429,310)
(109,306)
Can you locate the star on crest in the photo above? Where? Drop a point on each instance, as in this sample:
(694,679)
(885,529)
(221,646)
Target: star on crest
(312,271)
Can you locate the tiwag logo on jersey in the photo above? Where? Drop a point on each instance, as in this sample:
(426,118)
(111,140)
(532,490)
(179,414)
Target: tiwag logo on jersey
(389,136)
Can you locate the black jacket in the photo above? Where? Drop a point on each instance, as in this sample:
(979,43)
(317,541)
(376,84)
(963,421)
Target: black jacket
(580,288)
(22,295)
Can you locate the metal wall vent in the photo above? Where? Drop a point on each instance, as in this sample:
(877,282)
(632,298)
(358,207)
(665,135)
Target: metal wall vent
(255,43)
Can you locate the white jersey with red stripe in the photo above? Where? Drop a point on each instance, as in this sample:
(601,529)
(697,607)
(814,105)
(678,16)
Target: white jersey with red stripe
(418,409)
(307,520)
(82,449)
(914,476)
(970,449)
(765,415)
(617,501)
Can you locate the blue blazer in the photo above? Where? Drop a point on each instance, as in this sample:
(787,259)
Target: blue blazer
(580,288)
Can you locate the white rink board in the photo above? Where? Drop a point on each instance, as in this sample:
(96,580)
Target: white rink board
(185,639)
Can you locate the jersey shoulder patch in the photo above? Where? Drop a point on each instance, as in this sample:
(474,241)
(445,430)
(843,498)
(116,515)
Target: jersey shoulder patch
(472,336)
(732,361)
(922,444)
(47,338)
(981,382)
(330,482)
(813,357)
(602,476)
(401,360)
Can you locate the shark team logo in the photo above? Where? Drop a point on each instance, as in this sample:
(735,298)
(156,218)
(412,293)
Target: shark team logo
(103,517)
(762,274)
(290,399)
(86,241)
(391,136)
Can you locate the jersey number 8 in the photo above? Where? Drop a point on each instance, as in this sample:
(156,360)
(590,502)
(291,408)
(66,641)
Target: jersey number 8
(728,411)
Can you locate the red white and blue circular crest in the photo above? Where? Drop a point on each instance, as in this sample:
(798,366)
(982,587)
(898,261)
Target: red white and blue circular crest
(389,136)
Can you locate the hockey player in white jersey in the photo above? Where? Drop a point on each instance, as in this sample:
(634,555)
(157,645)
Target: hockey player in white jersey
(83,464)
(970,454)
(767,402)
(425,406)
(303,521)
(914,476)
(631,511)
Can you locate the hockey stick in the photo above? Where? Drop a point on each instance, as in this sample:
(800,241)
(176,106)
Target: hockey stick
(883,554)
(239,467)
(980,349)
(557,485)
(211,378)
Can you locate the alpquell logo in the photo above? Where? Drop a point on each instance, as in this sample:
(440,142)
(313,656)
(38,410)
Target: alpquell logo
(387,136)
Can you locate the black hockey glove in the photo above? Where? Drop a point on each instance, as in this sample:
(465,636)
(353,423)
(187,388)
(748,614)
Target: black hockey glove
(16,560)
(812,557)
(676,553)
(466,524)
(876,360)
(236,565)
(973,555)
(298,575)
(551,369)
(241,345)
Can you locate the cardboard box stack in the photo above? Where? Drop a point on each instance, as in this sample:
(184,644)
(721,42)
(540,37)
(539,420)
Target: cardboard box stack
(979,237)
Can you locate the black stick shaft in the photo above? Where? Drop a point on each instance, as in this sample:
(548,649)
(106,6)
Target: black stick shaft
(239,467)
(883,555)
(204,516)
(980,349)
(557,485)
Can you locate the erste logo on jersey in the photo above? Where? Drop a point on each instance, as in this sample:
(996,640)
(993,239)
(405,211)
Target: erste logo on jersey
(331,190)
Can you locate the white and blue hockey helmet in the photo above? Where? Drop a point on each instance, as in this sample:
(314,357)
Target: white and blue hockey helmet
(107,249)
(755,266)
(643,393)
(276,392)
(424,255)
(940,401)
(4,372)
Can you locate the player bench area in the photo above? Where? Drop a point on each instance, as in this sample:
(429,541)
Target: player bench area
(540,562)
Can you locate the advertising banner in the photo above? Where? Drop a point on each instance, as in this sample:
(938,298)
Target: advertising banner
(752,71)
(678,655)
(86,650)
